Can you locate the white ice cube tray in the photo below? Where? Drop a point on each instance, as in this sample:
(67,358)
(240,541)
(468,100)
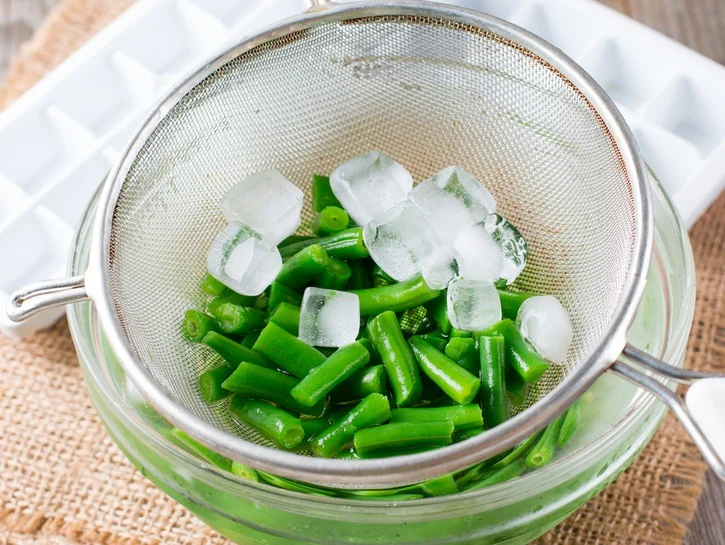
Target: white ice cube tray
(59,139)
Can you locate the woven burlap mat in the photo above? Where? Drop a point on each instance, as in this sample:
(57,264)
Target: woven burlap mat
(62,480)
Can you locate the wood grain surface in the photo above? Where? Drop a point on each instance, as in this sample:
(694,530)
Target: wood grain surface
(699,24)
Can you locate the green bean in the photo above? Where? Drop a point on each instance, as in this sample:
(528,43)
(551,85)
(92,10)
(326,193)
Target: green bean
(230,297)
(359,276)
(511,301)
(499,475)
(313,427)
(294,486)
(233,352)
(330,373)
(335,276)
(256,382)
(436,340)
(212,286)
(304,267)
(279,293)
(438,310)
(543,451)
(569,425)
(519,355)
(515,387)
(450,377)
(347,244)
(287,317)
(397,356)
(292,239)
(322,194)
(287,351)
(389,438)
(519,452)
(462,435)
(463,351)
(371,411)
(461,416)
(197,324)
(262,302)
(370,380)
(445,485)
(331,219)
(200,450)
(395,297)
(493,383)
(348,454)
(460,333)
(235,320)
(368,344)
(278,426)
(251,338)
(210,383)
(247,472)
(380,277)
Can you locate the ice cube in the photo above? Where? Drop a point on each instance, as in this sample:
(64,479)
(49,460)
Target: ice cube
(369,185)
(267,202)
(473,305)
(329,318)
(477,254)
(452,200)
(544,322)
(399,240)
(439,268)
(512,245)
(242,260)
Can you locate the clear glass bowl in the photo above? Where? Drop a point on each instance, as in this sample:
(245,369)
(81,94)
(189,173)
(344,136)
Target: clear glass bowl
(512,512)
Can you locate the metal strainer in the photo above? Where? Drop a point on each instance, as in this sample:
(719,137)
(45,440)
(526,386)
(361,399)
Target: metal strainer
(431,86)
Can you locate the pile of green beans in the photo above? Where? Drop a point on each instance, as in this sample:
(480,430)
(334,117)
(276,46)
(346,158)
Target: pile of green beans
(410,382)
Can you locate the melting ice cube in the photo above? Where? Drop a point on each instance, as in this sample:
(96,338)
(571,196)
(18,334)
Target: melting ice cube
(329,318)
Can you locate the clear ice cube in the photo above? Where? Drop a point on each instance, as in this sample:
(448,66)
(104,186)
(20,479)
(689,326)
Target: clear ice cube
(512,245)
(473,305)
(399,240)
(329,318)
(452,200)
(266,201)
(477,254)
(439,268)
(544,322)
(242,260)
(369,185)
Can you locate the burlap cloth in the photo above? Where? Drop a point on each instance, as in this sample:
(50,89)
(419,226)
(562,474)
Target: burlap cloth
(62,480)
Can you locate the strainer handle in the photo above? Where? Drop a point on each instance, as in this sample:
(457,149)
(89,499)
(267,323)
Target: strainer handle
(33,298)
(702,412)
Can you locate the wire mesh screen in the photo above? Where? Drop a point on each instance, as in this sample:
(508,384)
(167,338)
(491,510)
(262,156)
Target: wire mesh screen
(428,92)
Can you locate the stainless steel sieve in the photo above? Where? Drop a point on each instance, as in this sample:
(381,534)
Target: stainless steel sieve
(431,85)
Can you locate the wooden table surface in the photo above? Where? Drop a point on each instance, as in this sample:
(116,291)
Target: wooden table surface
(699,24)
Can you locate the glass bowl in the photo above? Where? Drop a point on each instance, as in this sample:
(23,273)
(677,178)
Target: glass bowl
(516,511)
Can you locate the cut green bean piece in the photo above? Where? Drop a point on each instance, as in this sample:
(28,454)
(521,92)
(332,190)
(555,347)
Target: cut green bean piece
(279,293)
(347,244)
(368,344)
(511,301)
(519,355)
(304,267)
(438,310)
(210,383)
(314,426)
(202,451)
(256,382)
(287,351)
(212,286)
(371,411)
(251,338)
(515,387)
(331,219)
(543,451)
(461,416)
(235,320)
(569,425)
(359,279)
(246,472)
(450,377)
(330,373)
(462,435)
(233,352)
(287,317)
(498,475)
(435,340)
(463,351)
(278,426)
(230,297)
(292,239)
(520,451)
(494,400)
(335,276)
(403,436)
(348,454)
(196,325)
(294,486)
(371,380)
(397,356)
(445,485)
(262,302)
(395,297)
(460,333)
(322,194)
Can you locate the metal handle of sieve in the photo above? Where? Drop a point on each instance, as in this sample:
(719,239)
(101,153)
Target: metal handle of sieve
(701,413)
(33,298)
